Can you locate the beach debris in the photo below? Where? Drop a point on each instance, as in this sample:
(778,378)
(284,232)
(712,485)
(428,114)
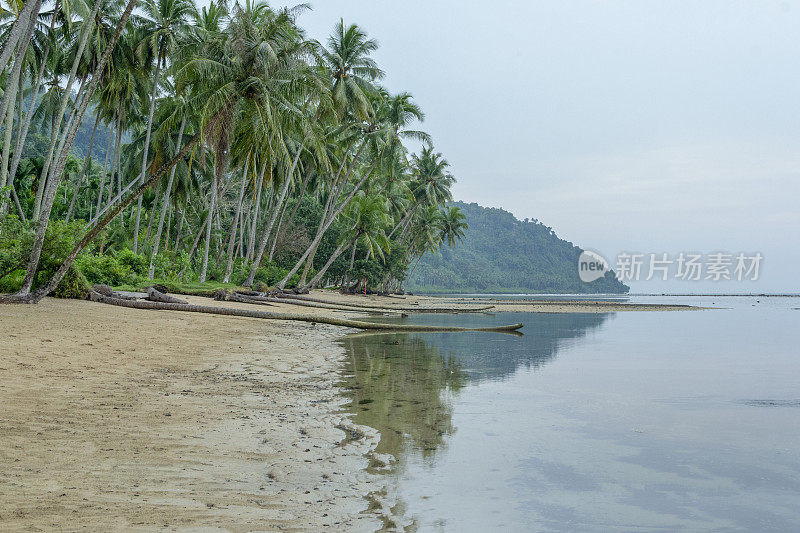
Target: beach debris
(252,313)
(155,295)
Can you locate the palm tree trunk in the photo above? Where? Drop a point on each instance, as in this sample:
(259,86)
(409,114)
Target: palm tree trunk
(27,25)
(404,220)
(309,264)
(242,228)
(332,197)
(151,217)
(220,168)
(168,230)
(28,117)
(41,183)
(29,11)
(265,238)
(118,160)
(256,206)
(353,255)
(212,204)
(415,267)
(235,224)
(197,239)
(51,174)
(146,148)
(16,202)
(105,170)
(278,229)
(114,177)
(97,75)
(165,203)
(291,216)
(24,133)
(341,248)
(11,94)
(281,284)
(180,232)
(85,170)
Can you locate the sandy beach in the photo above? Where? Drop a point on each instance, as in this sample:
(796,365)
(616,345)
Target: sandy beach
(116,418)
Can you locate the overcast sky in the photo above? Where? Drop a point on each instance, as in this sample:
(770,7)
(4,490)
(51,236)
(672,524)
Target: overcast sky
(626,126)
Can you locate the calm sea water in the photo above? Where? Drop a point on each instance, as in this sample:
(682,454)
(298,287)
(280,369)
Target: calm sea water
(636,421)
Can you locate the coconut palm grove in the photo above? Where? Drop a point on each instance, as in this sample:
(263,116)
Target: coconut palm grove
(153,140)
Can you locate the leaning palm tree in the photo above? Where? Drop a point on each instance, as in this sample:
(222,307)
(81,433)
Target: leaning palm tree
(426,233)
(172,110)
(353,72)
(366,220)
(24,294)
(431,185)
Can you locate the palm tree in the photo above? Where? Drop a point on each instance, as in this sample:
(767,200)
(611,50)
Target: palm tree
(347,59)
(426,233)
(245,71)
(452,225)
(165,26)
(248,119)
(366,219)
(33,262)
(175,109)
(431,185)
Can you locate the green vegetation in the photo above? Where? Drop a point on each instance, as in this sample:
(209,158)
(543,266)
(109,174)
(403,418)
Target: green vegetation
(500,254)
(149,140)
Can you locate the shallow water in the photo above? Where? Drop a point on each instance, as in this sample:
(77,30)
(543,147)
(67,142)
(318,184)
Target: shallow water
(622,421)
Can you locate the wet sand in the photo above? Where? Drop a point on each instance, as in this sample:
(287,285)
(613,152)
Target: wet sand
(116,418)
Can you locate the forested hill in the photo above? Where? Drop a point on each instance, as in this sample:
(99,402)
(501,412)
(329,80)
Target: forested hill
(500,254)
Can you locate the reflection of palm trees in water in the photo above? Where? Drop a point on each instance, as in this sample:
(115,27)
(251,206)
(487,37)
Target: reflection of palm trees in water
(496,357)
(399,383)
(402,384)
(396,383)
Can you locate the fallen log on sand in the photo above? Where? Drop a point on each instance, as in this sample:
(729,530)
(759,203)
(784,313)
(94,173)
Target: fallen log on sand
(235,297)
(154,295)
(105,290)
(252,313)
(247,298)
(454,310)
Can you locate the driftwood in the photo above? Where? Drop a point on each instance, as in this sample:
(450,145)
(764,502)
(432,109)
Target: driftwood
(241,299)
(252,313)
(105,290)
(455,310)
(154,295)
(307,303)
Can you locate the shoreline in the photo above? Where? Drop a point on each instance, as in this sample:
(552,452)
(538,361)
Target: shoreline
(499,305)
(118,418)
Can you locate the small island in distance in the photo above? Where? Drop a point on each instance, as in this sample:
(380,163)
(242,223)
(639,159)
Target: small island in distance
(501,254)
